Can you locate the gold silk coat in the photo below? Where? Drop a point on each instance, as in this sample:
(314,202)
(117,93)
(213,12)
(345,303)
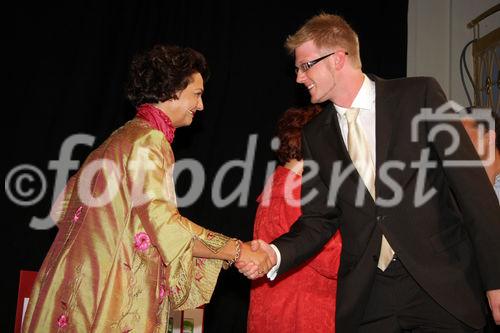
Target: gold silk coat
(122,257)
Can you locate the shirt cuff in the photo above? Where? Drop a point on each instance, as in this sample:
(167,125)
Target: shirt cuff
(271,275)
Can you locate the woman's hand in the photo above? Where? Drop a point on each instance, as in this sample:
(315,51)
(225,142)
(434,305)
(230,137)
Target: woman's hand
(256,259)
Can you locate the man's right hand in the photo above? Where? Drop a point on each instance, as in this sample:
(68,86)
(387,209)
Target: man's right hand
(250,269)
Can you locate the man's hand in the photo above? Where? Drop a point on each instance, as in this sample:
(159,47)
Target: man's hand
(494,300)
(251,268)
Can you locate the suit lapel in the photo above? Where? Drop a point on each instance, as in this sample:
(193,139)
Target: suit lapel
(386,118)
(384,121)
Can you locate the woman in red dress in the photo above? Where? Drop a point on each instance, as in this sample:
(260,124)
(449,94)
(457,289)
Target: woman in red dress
(302,300)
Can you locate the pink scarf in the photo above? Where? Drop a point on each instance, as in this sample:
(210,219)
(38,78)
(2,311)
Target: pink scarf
(157,119)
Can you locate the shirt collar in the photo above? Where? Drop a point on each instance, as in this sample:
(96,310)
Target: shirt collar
(364,99)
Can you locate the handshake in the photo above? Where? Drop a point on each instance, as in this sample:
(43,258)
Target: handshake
(256,259)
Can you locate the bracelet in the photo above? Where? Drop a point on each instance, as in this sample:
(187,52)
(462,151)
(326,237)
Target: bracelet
(228,263)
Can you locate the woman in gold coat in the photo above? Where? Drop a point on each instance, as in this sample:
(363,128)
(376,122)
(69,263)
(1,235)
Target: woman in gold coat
(124,256)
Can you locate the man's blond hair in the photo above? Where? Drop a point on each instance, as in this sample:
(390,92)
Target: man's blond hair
(327,31)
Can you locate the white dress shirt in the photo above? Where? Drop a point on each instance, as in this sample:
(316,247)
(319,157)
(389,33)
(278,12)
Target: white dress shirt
(365,101)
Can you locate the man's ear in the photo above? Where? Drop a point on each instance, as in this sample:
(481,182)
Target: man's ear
(339,60)
(336,62)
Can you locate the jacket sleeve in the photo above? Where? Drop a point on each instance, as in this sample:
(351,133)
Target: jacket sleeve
(317,224)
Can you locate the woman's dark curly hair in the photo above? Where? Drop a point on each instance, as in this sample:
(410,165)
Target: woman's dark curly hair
(158,74)
(290,129)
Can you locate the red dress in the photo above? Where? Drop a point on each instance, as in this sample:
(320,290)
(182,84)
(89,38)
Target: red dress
(302,300)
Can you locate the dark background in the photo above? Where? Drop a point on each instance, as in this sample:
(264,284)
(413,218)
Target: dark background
(66,65)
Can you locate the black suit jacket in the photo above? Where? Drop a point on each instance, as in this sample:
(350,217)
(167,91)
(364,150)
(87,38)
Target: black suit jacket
(450,243)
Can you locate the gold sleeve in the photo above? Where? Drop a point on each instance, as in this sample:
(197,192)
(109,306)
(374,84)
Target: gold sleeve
(191,280)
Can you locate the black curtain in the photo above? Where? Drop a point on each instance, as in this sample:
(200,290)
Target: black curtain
(66,65)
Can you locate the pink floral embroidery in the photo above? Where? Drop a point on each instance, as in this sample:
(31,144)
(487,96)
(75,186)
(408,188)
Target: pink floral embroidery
(163,293)
(210,235)
(62,321)
(77,214)
(200,262)
(142,241)
(198,276)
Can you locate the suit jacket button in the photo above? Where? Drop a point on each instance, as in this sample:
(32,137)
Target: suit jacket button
(375,258)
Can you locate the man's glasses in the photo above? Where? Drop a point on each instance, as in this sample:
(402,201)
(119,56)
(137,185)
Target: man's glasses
(304,67)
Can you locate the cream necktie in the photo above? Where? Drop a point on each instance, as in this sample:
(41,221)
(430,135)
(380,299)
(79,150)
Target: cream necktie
(359,151)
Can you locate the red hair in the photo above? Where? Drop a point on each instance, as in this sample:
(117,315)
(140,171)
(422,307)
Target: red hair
(289,131)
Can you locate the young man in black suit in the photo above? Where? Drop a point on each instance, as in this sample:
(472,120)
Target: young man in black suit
(421,232)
